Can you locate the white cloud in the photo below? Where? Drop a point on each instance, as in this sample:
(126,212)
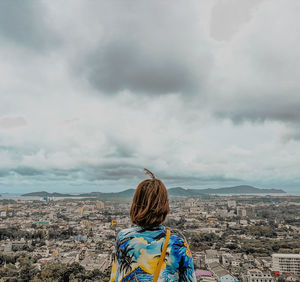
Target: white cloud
(233,119)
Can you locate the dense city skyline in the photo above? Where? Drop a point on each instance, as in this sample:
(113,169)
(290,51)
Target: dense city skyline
(202,95)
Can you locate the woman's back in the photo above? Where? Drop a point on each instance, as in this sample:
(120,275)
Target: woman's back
(138,251)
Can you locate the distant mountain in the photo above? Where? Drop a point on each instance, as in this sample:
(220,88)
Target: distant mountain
(179,191)
(241,189)
(46,194)
(175,191)
(125,193)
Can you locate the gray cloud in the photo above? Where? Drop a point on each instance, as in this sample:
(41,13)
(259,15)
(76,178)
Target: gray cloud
(121,149)
(188,71)
(126,66)
(227,17)
(145,56)
(23,23)
(12,122)
(292,133)
(262,81)
(200,179)
(35,174)
(114,171)
(4,172)
(27,171)
(262,109)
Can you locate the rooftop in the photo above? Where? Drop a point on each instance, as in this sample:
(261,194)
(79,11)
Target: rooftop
(286,255)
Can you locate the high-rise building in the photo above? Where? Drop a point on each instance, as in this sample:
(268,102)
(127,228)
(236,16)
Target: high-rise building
(231,204)
(241,211)
(286,263)
(99,205)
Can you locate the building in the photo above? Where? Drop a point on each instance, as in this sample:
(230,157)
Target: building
(231,259)
(226,259)
(286,263)
(221,273)
(200,274)
(256,275)
(241,211)
(211,256)
(231,204)
(100,205)
(43,252)
(8,247)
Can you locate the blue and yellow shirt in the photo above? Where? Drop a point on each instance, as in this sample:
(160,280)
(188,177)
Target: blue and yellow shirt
(138,250)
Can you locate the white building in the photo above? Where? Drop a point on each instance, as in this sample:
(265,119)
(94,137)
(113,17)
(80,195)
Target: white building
(8,247)
(286,263)
(256,275)
(231,204)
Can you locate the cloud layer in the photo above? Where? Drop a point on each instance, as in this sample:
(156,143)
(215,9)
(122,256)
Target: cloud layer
(201,96)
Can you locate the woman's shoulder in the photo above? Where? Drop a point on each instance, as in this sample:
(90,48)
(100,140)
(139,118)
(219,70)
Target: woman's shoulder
(156,232)
(177,234)
(127,232)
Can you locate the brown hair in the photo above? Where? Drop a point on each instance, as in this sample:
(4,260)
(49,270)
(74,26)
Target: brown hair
(150,204)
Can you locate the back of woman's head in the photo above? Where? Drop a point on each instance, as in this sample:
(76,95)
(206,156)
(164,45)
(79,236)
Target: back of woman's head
(150,204)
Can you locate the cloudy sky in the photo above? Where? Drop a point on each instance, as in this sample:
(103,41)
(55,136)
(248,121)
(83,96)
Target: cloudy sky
(203,93)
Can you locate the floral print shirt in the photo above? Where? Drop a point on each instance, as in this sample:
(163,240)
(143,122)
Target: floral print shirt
(138,250)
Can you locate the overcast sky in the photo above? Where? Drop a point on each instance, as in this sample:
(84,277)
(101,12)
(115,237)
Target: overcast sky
(203,93)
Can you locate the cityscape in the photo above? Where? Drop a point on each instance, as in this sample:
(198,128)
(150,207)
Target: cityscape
(231,237)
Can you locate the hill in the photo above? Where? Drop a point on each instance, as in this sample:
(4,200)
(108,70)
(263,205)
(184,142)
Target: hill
(125,193)
(241,189)
(46,194)
(175,191)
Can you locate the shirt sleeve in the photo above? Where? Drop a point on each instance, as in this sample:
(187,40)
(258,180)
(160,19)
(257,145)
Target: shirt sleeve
(186,263)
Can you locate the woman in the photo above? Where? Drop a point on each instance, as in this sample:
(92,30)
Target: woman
(138,253)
